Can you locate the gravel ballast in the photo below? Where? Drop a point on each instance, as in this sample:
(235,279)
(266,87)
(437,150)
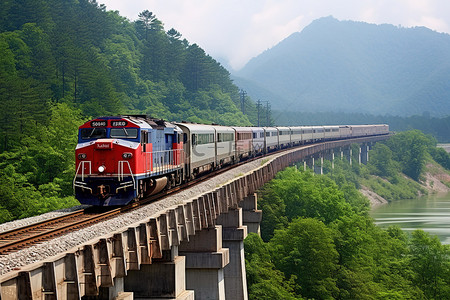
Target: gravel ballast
(36,219)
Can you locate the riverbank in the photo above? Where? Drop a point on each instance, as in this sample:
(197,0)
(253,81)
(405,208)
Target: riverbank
(446,147)
(436,180)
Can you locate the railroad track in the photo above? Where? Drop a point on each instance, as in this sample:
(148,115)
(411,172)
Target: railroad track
(23,237)
(29,235)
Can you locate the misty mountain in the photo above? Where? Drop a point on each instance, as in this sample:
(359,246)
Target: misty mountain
(347,66)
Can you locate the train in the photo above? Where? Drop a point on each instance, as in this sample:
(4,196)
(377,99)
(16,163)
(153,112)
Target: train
(121,159)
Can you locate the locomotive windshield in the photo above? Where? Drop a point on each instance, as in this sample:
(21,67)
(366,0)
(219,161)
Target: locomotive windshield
(93,133)
(125,133)
(101,133)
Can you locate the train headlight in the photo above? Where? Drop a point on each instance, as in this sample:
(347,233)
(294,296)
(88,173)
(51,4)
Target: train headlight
(82,156)
(101,169)
(127,155)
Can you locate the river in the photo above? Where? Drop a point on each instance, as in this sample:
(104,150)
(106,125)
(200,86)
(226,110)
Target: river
(431,213)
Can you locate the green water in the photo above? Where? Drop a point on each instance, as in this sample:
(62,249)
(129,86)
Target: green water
(432,214)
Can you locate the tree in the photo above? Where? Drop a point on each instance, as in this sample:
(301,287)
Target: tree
(409,148)
(310,256)
(147,21)
(381,161)
(263,279)
(431,262)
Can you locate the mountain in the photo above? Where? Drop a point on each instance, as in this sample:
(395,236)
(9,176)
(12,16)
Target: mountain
(347,66)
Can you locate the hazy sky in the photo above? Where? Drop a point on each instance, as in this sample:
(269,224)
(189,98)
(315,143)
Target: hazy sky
(237,30)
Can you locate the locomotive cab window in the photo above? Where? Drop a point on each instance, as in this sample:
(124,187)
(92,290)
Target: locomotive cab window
(125,133)
(93,133)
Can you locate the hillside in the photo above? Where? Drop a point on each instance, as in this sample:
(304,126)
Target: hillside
(63,62)
(337,66)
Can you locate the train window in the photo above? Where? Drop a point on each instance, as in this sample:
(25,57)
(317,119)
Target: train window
(228,137)
(267,133)
(224,137)
(126,133)
(93,133)
(201,139)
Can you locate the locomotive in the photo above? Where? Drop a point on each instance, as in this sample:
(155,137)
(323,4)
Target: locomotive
(120,159)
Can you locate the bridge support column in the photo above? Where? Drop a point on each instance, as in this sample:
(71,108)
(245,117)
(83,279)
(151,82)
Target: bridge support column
(364,153)
(251,214)
(317,164)
(205,262)
(332,159)
(329,155)
(359,154)
(321,164)
(348,154)
(163,279)
(234,234)
(310,162)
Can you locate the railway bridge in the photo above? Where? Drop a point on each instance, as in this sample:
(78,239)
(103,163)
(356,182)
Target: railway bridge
(191,250)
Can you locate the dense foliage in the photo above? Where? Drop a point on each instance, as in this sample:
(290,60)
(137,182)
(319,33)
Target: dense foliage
(62,62)
(318,242)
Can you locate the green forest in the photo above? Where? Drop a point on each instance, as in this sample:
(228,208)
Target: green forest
(63,62)
(319,242)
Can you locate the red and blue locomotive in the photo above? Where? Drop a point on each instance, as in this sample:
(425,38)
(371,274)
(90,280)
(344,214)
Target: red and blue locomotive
(119,159)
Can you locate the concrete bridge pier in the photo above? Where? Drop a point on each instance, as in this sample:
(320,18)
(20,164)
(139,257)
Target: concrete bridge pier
(234,234)
(310,162)
(319,169)
(163,279)
(205,262)
(347,152)
(252,216)
(329,155)
(364,154)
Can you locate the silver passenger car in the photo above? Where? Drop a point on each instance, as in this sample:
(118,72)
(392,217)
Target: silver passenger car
(199,146)
(270,139)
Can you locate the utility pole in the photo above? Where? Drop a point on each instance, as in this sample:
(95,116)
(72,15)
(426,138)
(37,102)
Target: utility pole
(258,106)
(243,94)
(267,114)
